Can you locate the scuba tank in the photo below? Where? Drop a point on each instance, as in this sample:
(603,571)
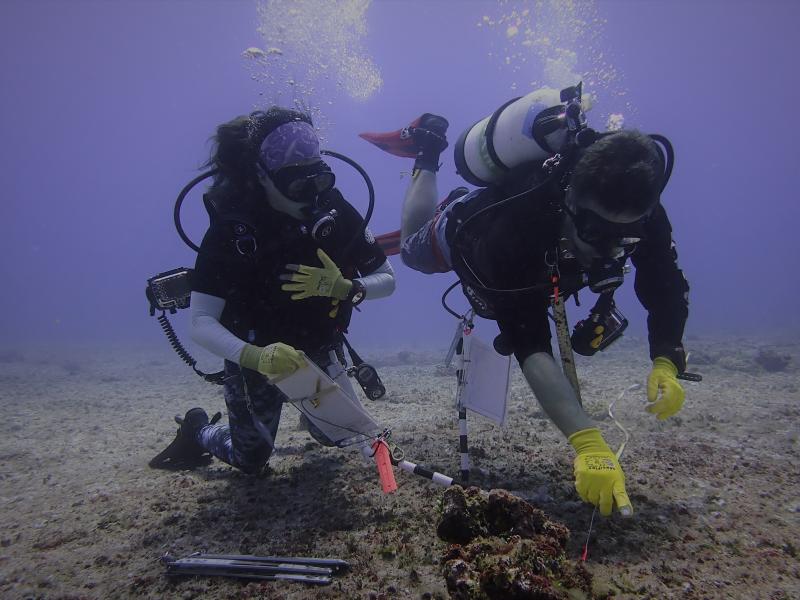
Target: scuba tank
(525,131)
(531,128)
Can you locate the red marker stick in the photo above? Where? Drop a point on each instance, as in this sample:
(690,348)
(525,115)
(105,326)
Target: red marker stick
(384,463)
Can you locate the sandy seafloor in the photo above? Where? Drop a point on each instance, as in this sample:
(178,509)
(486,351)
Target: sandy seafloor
(715,490)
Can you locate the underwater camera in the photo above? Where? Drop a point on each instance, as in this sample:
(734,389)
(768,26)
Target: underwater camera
(169,290)
(604,325)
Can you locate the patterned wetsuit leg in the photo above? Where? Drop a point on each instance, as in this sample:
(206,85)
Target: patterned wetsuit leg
(427,250)
(254,412)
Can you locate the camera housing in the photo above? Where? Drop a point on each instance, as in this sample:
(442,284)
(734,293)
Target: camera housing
(598,331)
(170,290)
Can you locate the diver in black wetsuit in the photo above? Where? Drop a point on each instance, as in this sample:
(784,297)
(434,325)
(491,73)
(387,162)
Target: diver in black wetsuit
(283,263)
(546,226)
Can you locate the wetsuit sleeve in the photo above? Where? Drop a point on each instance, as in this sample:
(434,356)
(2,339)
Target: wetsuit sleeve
(662,289)
(212,282)
(207,330)
(380,283)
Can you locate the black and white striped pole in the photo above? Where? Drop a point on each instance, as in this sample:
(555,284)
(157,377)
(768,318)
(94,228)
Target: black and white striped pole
(464,328)
(416,469)
(463,443)
(463,446)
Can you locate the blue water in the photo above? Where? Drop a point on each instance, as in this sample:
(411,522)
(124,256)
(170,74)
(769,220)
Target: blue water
(108,107)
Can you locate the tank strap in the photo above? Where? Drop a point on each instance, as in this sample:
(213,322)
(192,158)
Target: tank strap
(489,137)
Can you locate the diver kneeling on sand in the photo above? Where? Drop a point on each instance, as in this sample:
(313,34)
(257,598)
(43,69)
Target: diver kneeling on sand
(560,207)
(283,263)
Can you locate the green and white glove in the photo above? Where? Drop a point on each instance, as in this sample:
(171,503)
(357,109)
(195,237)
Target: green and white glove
(307,281)
(273,360)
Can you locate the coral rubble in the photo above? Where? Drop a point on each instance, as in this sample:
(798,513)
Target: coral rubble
(503,547)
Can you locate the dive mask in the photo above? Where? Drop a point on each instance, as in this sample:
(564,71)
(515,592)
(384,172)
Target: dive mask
(597,231)
(304,183)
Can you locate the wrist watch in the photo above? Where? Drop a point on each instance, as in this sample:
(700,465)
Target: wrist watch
(357,293)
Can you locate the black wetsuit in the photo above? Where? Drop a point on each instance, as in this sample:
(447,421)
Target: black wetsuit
(240,260)
(244,252)
(516,246)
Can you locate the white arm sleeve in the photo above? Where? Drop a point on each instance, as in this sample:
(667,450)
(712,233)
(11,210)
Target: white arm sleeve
(208,332)
(379,283)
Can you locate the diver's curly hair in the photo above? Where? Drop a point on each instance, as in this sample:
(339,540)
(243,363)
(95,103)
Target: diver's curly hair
(622,171)
(236,145)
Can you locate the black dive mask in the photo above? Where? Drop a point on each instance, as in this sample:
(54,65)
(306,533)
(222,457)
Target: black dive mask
(305,183)
(599,232)
(310,185)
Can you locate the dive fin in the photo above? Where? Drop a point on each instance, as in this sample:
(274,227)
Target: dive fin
(399,143)
(183,453)
(389,242)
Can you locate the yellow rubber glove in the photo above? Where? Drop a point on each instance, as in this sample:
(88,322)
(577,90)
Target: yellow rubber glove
(273,360)
(664,392)
(308,281)
(599,479)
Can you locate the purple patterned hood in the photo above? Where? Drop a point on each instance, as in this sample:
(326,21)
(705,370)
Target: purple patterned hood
(292,143)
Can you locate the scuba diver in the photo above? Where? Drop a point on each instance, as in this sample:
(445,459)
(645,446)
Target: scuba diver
(284,261)
(560,207)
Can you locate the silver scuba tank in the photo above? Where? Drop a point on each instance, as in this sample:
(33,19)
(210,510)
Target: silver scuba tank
(531,128)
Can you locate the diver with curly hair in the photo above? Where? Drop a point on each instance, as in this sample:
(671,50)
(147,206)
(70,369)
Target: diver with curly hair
(284,261)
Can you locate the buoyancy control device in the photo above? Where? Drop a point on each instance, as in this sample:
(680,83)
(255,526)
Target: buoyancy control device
(546,128)
(171,290)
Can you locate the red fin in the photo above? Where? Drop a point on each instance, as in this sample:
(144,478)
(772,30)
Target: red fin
(398,143)
(389,242)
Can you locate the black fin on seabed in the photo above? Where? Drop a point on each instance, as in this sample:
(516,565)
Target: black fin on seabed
(183,453)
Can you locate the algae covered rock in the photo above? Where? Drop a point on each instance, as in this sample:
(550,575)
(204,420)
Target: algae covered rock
(462,517)
(507,514)
(505,548)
